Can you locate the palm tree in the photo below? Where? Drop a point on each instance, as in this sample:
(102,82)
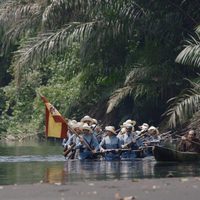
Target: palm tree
(153,74)
(88,22)
(116,35)
(183,106)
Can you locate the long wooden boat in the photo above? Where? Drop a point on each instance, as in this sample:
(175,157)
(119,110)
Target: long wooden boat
(165,154)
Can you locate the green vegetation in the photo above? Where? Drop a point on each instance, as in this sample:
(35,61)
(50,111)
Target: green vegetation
(112,59)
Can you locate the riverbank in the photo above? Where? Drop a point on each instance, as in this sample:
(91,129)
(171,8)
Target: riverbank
(21,137)
(141,189)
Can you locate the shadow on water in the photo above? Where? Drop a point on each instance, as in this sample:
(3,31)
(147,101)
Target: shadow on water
(33,163)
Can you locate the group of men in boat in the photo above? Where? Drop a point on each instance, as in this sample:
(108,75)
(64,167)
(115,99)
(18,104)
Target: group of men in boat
(87,140)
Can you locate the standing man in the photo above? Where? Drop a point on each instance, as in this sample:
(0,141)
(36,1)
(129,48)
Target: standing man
(87,144)
(129,141)
(110,144)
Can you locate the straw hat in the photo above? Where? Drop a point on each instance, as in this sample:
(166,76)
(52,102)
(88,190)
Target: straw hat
(78,125)
(123,130)
(86,127)
(110,129)
(94,121)
(72,122)
(86,118)
(127,125)
(129,121)
(153,128)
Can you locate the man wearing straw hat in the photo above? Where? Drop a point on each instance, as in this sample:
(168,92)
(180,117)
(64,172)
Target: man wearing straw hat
(154,135)
(129,141)
(71,142)
(66,141)
(87,143)
(110,144)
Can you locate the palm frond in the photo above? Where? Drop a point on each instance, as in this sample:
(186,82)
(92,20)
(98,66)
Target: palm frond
(198,29)
(117,97)
(53,15)
(39,48)
(134,81)
(18,30)
(20,20)
(137,74)
(182,108)
(12,11)
(102,25)
(190,55)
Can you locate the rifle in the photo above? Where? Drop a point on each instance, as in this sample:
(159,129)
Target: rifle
(119,151)
(164,134)
(140,136)
(99,134)
(68,150)
(82,139)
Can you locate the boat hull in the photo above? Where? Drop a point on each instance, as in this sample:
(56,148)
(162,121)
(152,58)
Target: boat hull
(170,155)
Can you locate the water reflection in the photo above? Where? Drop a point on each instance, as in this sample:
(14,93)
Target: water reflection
(73,171)
(101,170)
(174,169)
(36,162)
(54,174)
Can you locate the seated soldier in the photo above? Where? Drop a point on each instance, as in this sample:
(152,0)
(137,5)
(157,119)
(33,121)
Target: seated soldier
(189,143)
(87,144)
(110,144)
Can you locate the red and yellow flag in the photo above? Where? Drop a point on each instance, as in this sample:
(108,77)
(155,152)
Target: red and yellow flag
(56,126)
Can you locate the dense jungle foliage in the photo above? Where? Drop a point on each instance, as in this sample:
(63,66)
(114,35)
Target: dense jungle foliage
(112,59)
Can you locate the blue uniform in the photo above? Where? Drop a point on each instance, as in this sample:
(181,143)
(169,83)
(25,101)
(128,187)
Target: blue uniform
(112,143)
(84,152)
(128,138)
(98,136)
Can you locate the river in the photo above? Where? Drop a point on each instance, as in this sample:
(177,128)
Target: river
(34,162)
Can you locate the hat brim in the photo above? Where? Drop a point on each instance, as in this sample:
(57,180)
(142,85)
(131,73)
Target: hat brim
(88,129)
(111,131)
(86,120)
